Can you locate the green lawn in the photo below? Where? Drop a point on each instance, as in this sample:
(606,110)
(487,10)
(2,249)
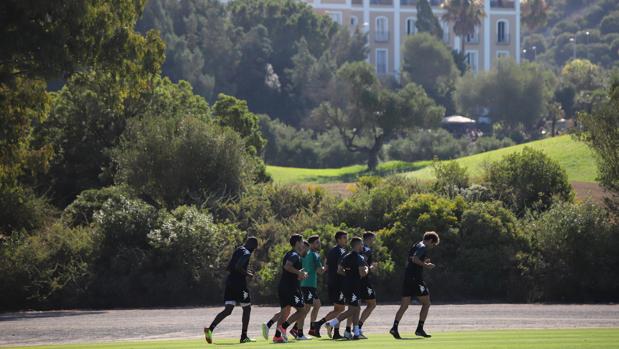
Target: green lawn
(575,157)
(508,339)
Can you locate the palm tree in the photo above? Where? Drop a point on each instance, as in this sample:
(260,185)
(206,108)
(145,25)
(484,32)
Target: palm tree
(534,13)
(465,16)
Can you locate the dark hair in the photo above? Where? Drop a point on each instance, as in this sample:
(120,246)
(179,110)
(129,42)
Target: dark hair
(251,242)
(355,241)
(368,234)
(295,238)
(306,243)
(313,238)
(432,236)
(339,234)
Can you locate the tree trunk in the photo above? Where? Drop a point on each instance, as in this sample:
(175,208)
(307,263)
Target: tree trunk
(373,153)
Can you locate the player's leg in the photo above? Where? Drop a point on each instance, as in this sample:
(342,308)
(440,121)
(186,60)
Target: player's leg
(246,315)
(267,326)
(369,308)
(315,309)
(280,332)
(404,303)
(336,296)
(423,314)
(208,331)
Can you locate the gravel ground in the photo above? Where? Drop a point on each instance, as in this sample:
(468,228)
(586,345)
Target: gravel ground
(69,326)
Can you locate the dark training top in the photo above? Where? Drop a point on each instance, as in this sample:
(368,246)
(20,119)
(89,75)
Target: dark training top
(237,266)
(334,257)
(351,263)
(290,280)
(366,253)
(413,270)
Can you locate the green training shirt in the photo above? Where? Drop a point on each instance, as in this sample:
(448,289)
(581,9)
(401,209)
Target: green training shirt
(311,263)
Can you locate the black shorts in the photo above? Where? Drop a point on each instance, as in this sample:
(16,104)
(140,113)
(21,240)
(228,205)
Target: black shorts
(290,297)
(309,294)
(414,288)
(367,291)
(352,295)
(236,292)
(336,296)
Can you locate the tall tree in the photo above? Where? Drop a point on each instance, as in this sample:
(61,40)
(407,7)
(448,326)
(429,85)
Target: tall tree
(534,13)
(427,21)
(367,115)
(465,16)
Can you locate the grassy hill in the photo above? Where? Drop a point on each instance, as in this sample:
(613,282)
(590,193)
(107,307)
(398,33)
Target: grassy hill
(575,157)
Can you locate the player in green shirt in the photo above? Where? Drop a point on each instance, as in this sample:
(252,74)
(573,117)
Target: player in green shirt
(309,287)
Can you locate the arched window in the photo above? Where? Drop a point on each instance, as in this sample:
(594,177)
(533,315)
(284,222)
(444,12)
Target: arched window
(353,21)
(382,29)
(410,26)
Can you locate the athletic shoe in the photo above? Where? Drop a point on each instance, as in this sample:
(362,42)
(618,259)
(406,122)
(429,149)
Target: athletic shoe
(394,332)
(337,336)
(422,333)
(314,332)
(294,333)
(348,335)
(283,332)
(303,338)
(355,338)
(329,330)
(208,334)
(280,339)
(362,336)
(247,340)
(265,331)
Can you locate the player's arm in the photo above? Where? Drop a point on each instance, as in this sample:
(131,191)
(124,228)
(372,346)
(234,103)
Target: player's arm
(341,270)
(421,263)
(289,267)
(240,265)
(320,269)
(363,270)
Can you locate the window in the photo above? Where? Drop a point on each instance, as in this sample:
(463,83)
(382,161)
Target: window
(353,21)
(381,61)
(472,60)
(502,54)
(336,17)
(382,33)
(445,27)
(410,26)
(474,37)
(502,31)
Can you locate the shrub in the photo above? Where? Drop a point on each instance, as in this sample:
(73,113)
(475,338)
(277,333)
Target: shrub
(48,268)
(573,254)
(450,177)
(183,161)
(81,211)
(426,145)
(527,180)
(484,144)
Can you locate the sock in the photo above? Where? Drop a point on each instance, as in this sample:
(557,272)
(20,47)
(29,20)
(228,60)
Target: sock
(270,323)
(246,315)
(321,322)
(420,325)
(285,325)
(295,326)
(356,329)
(360,324)
(336,330)
(395,324)
(348,329)
(277,333)
(300,332)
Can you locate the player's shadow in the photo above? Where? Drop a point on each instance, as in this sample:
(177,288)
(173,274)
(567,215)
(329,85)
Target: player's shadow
(410,339)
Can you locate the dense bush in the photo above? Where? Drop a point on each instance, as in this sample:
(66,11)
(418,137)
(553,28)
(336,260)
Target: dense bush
(527,180)
(451,178)
(426,145)
(573,254)
(88,202)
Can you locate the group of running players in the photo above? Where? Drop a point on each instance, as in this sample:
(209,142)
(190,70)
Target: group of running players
(348,281)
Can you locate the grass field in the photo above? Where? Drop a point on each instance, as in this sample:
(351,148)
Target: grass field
(508,339)
(575,157)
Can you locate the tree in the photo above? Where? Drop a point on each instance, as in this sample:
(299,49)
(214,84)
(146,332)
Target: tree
(367,115)
(513,94)
(583,75)
(429,63)
(534,13)
(465,16)
(610,23)
(427,21)
(601,133)
(233,113)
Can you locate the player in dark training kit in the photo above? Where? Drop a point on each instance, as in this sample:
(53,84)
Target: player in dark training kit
(236,289)
(353,268)
(334,281)
(414,284)
(367,290)
(290,289)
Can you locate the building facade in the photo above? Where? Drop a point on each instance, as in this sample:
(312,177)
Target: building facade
(389,22)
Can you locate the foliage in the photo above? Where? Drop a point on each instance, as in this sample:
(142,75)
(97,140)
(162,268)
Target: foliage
(427,21)
(528,180)
(572,256)
(465,16)
(82,210)
(450,177)
(426,145)
(428,62)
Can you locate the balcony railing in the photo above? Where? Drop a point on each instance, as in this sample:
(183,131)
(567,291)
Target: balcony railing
(502,3)
(381,36)
(503,40)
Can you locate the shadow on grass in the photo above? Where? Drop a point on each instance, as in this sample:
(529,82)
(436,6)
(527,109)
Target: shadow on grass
(381,171)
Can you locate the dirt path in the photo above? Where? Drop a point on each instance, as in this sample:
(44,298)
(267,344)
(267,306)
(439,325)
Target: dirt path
(29,328)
